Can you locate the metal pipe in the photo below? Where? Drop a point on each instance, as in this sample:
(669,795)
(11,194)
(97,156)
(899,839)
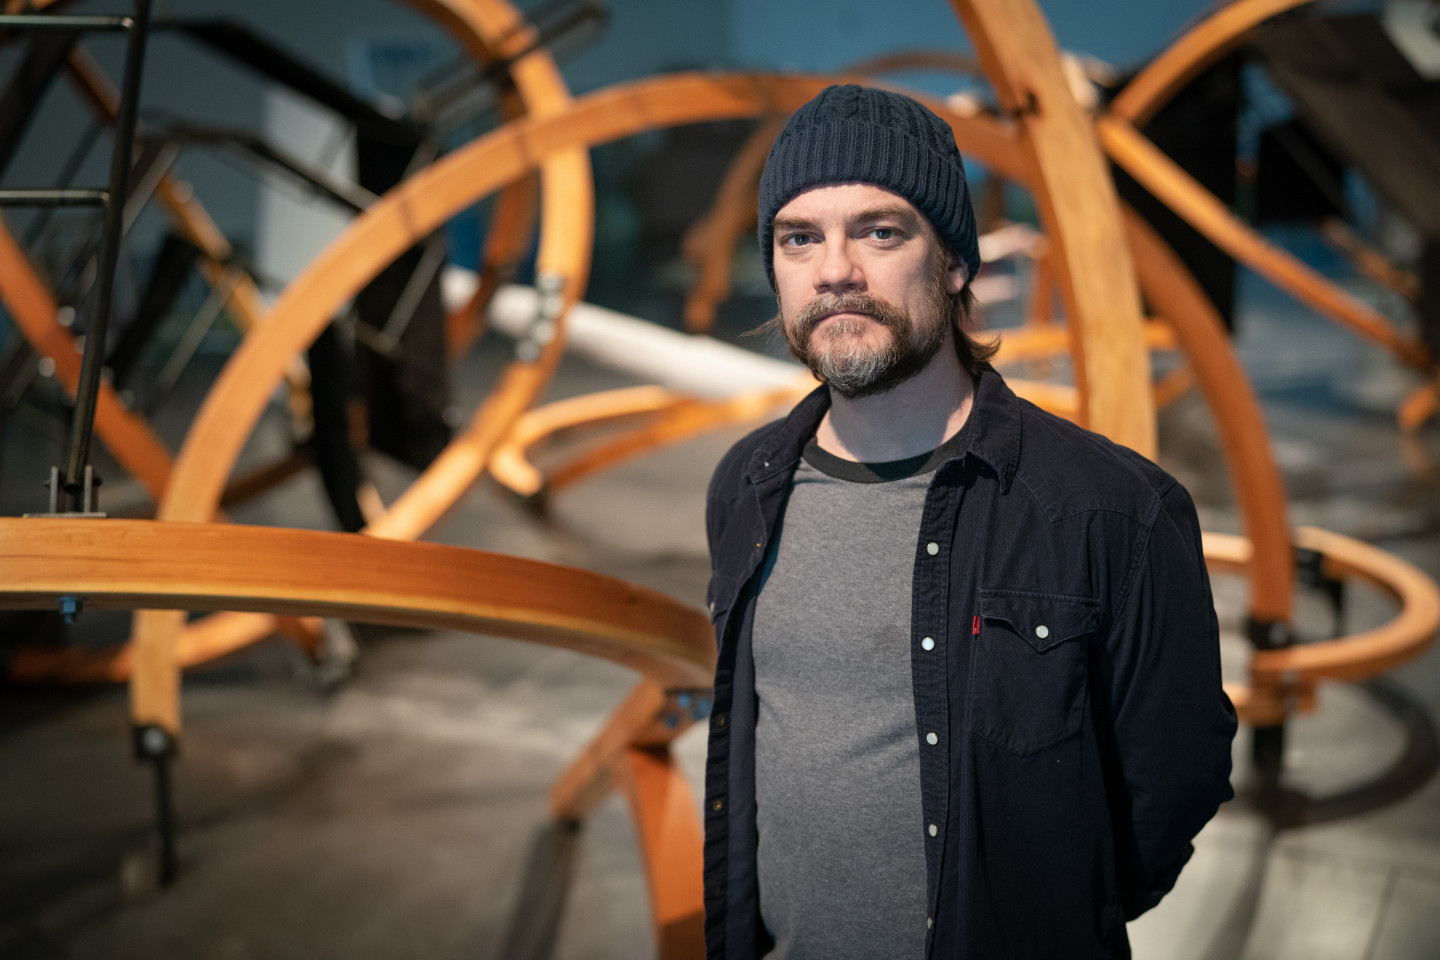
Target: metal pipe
(45,21)
(53,198)
(82,427)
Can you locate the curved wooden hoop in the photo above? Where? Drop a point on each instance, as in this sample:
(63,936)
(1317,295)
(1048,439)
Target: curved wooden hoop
(490,29)
(670,418)
(1259,488)
(124,564)
(1188,57)
(1278,676)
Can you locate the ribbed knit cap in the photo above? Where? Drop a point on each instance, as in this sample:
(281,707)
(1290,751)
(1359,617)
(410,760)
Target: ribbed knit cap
(853,134)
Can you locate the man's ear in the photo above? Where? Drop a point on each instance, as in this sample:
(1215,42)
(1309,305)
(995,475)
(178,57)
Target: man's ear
(957,274)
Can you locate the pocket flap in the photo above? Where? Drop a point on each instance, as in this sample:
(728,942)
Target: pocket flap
(1041,619)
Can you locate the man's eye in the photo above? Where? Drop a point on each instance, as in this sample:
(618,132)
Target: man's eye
(796,240)
(883,233)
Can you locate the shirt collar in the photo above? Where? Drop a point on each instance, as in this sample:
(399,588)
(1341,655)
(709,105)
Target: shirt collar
(994,431)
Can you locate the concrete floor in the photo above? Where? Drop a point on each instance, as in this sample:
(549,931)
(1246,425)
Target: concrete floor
(402,814)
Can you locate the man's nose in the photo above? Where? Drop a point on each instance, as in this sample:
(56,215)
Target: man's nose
(838,270)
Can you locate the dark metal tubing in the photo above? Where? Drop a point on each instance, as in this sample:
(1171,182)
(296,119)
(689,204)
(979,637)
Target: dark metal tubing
(43,21)
(83,426)
(236,41)
(155,745)
(344,192)
(165,818)
(54,198)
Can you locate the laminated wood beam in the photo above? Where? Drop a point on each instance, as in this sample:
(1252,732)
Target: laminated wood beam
(125,564)
(1080,215)
(1256,480)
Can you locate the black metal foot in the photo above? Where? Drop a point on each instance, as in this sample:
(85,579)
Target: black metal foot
(155,745)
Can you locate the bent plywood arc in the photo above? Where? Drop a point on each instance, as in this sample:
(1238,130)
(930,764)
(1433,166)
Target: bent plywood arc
(123,564)
(1187,58)
(1079,212)
(1277,676)
(1244,440)
(491,29)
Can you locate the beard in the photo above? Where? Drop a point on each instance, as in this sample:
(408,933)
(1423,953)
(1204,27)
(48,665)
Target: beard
(852,368)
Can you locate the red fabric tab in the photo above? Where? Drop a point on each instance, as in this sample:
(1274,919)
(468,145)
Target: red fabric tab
(975,627)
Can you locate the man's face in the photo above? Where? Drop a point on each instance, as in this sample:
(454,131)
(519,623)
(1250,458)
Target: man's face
(863,286)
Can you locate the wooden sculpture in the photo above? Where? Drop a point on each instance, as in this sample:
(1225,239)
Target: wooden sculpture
(185,560)
(490,30)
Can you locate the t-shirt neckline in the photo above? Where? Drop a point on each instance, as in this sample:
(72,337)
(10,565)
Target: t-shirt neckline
(888,471)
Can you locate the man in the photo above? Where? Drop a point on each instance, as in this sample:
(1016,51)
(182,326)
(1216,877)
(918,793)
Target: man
(968,696)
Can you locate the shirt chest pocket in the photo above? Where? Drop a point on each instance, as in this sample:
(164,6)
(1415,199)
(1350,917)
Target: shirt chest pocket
(1029,667)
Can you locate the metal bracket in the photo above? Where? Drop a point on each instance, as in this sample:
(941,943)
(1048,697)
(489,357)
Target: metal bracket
(88,490)
(1310,570)
(1268,634)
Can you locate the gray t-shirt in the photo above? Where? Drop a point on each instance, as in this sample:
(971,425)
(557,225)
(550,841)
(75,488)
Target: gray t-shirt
(841,855)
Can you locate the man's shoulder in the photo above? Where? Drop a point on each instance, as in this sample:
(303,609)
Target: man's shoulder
(730,471)
(783,438)
(1071,470)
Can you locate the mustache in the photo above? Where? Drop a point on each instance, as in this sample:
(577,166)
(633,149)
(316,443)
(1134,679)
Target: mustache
(881,311)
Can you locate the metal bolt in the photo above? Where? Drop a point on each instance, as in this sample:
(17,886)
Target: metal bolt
(70,608)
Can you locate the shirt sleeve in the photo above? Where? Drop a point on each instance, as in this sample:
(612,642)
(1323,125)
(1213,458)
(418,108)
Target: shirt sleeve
(1172,724)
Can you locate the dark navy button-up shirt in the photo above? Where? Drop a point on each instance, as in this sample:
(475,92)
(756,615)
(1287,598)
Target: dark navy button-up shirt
(1064,652)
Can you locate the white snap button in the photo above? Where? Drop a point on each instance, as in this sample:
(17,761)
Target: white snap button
(1042,631)
(929,922)
(927,644)
(932,548)
(934,830)
(931,739)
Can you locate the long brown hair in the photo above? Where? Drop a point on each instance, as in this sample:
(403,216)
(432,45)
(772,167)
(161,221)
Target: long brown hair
(964,317)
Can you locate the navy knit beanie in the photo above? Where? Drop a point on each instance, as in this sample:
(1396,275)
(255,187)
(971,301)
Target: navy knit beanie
(852,134)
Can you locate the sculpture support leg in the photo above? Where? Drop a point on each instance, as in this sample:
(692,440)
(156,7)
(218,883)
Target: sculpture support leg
(1267,740)
(154,745)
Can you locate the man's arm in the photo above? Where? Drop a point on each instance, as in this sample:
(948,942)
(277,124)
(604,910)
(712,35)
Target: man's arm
(1171,722)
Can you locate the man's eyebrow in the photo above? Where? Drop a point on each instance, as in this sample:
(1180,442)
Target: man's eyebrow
(904,215)
(792,223)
